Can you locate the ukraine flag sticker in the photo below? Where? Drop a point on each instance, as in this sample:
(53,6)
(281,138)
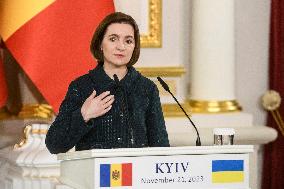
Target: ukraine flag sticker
(227,171)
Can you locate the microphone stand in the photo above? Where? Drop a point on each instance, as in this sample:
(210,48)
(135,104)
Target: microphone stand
(166,87)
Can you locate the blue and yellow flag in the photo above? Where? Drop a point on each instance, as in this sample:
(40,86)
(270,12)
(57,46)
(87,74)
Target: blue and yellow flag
(227,171)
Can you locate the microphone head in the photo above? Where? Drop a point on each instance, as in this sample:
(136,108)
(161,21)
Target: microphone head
(115,78)
(163,83)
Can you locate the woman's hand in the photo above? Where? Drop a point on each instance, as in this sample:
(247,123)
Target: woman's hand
(95,106)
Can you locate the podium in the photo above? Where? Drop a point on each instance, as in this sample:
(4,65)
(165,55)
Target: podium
(195,167)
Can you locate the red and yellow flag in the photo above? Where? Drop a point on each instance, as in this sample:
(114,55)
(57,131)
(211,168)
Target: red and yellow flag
(50,40)
(3,86)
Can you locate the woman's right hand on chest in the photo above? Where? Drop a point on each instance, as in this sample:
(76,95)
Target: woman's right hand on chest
(95,106)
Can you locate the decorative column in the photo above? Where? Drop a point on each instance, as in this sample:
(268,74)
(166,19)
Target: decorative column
(212,87)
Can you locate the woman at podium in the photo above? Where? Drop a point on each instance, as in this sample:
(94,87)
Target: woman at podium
(113,105)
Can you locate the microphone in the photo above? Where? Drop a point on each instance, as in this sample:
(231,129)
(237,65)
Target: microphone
(115,78)
(116,81)
(166,87)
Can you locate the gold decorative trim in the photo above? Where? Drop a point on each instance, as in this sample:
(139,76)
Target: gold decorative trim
(24,141)
(161,71)
(38,111)
(271,102)
(39,131)
(214,106)
(173,110)
(154,37)
(27,131)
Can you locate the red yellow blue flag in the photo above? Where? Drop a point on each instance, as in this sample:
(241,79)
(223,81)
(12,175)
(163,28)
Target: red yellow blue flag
(3,85)
(112,175)
(50,40)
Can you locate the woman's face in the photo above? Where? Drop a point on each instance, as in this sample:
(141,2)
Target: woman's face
(118,44)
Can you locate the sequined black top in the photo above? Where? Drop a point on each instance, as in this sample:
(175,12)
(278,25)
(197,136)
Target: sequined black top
(135,119)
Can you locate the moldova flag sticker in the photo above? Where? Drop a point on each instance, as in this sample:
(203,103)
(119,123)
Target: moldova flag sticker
(112,175)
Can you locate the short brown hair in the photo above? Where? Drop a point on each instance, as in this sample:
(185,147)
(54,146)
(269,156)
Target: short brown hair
(116,17)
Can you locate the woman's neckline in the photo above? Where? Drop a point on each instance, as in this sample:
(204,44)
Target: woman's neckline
(121,74)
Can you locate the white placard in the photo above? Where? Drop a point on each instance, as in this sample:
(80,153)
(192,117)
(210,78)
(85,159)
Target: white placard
(179,171)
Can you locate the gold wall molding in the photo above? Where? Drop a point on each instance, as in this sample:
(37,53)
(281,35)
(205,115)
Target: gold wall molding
(173,71)
(173,110)
(198,106)
(36,111)
(154,36)
(39,131)
(194,106)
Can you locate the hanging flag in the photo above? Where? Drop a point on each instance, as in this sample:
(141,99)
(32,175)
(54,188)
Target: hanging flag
(3,86)
(50,40)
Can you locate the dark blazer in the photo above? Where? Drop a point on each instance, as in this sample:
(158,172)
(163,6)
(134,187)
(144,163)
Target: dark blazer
(135,119)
